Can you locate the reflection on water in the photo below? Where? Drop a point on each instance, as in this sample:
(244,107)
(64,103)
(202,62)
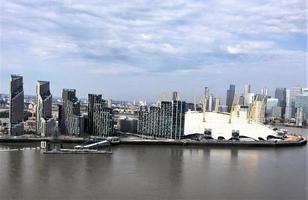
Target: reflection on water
(157,172)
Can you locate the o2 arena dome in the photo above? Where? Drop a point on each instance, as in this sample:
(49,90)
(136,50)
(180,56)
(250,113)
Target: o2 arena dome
(219,125)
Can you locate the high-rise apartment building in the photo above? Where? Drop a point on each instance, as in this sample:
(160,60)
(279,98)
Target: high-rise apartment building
(16,113)
(100,116)
(92,99)
(45,124)
(72,122)
(165,119)
(178,119)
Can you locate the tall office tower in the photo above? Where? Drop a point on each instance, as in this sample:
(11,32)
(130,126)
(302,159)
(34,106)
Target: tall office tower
(92,99)
(153,121)
(299,116)
(246,92)
(45,124)
(301,101)
(270,104)
(280,94)
(16,113)
(175,96)
(264,91)
(207,96)
(216,104)
(294,91)
(206,92)
(210,103)
(287,114)
(72,122)
(178,120)
(100,116)
(230,96)
(241,101)
(165,118)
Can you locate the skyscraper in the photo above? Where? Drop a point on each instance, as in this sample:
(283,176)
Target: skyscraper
(301,101)
(71,121)
(206,92)
(280,94)
(165,118)
(264,91)
(16,113)
(154,124)
(216,104)
(209,99)
(178,120)
(294,91)
(271,103)
(142,120)
(100,116)
(45,124)
(246,93)
(230,96)
(299,116)
(92,99)
(287,114)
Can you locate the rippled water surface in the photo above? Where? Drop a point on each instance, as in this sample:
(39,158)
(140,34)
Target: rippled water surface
(156,172)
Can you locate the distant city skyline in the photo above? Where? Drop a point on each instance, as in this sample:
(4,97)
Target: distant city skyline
(136,50)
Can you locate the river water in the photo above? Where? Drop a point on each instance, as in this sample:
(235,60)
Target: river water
(157,172)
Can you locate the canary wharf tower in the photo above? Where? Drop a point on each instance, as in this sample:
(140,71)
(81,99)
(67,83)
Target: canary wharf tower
(16,106)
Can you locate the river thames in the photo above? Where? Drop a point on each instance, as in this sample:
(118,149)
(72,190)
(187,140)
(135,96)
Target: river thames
(157,172)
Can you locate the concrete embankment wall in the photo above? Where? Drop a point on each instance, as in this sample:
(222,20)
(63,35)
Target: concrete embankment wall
(168,142)
(218,143)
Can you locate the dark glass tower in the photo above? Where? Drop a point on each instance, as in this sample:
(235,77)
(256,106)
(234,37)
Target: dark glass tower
(16,106)
(230,96)
(280,94)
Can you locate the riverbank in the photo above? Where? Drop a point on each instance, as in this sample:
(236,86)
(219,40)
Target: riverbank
(140,141)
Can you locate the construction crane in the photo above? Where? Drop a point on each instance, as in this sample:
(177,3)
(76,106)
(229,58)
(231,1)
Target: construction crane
(204,107)
(234,104)
(252,109)
(195,103)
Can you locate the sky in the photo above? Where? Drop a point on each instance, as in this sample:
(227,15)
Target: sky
(137,49)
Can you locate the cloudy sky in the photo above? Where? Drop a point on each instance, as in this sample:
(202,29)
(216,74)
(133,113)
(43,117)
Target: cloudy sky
(138,49)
